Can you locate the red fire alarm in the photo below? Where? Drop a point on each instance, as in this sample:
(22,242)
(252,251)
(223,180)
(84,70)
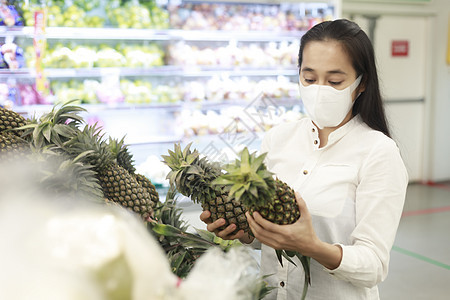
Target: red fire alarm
(400,48)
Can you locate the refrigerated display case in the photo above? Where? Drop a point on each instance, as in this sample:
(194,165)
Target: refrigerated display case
(214,73)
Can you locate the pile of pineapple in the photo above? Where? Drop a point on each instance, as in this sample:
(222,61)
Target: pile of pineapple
(103,169)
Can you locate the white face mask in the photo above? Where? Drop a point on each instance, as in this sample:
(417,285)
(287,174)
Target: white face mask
(325,105)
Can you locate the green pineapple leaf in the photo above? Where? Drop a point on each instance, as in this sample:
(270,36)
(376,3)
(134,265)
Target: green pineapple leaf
(55,127)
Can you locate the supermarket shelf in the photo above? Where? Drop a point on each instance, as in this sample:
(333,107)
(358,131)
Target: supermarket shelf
(201,105)
(164,71)
(20,74)
(152,34)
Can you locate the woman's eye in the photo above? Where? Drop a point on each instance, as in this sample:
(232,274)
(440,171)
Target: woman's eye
(309,80)
(335,82)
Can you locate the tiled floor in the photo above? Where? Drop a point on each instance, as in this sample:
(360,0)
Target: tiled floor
(420,259)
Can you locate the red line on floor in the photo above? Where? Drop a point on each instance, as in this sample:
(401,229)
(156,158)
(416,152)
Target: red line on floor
(438,185)
(425,211)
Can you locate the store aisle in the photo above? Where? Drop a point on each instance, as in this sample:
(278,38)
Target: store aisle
(420,258)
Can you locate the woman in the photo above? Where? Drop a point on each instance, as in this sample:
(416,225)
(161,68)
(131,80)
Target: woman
(347,171)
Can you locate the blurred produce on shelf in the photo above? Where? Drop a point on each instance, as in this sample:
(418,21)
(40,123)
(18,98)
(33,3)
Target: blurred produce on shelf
(99,13)
(271,54)
(223,88)
(11,56)
(138,16)
(194,122)
(217,89)
(248,17)
(102,56)
(182,15)
(9,15)
(172,71)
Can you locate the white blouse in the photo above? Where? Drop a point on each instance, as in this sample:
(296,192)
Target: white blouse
(355,189)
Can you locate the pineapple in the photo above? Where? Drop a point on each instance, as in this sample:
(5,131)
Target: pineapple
(12,146)
(125,160)
(10,120)
(116,182)
(251,184)
(148,185)
(192,177)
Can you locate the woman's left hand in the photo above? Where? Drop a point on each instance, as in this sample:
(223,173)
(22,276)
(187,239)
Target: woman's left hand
(299,236)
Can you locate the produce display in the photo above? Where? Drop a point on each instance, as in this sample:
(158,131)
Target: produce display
(187,16)
(215,90)
(59,131)
(247,17)
(11,56)
(9,16)
(148,14)
(63,173)
(192,122)
(73,55)
(99,13)
(103,56)
(138,16)
(272,54)
(88,164)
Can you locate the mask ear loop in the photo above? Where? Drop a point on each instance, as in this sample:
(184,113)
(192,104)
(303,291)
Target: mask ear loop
(355,85)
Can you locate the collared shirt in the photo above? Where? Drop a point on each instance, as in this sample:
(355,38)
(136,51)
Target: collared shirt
(355,189)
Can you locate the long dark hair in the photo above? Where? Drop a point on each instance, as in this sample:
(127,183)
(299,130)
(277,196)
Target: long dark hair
(356,43)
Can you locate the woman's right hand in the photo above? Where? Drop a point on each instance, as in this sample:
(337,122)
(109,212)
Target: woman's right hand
(227,233)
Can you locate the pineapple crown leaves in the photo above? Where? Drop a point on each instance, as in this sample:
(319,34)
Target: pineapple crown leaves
(115,145)
(63,175)
(90,147)
(55,127)
(169,213)
(121,154)
(178,160)
(248,180)
(191,174)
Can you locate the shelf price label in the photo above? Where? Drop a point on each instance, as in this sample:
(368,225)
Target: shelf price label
(39,43)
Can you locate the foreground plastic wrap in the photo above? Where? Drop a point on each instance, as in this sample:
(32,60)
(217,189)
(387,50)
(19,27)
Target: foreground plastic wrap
(74,249)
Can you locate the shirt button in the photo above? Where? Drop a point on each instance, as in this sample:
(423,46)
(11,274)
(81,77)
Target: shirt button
(316,142)
(282,283)
(305,172)
(313,130)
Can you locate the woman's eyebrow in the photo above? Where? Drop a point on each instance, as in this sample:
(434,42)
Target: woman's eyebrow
(307,69)
(337,71)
